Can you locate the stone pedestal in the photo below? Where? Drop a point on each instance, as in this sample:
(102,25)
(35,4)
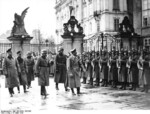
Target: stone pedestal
(77,43)
(20,44)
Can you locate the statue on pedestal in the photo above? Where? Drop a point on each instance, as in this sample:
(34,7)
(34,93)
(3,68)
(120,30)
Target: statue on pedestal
(18,28)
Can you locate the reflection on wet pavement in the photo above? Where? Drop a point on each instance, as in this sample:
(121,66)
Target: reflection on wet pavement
(92,98)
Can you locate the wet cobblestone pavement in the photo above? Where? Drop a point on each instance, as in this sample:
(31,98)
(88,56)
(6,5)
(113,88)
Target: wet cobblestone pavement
(92,98)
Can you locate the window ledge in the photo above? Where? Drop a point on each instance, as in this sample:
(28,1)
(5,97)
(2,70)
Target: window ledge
(146,27)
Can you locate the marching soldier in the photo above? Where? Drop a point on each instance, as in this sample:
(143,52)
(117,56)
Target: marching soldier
(146,71)
(73,69)
(104,67)
(61,71)
(22,72)
(96,68)
(29,61)
(134,71)
(42,72)
(10,72)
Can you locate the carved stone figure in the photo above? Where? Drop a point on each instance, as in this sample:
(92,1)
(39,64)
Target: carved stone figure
(80,29)
(72,22)
(19,28)
(66,31)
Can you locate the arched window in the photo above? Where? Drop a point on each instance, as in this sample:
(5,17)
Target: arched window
(116,5)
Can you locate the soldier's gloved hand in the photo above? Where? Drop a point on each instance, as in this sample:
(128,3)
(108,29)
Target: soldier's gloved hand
(6,75)
(19,73)
(37,74)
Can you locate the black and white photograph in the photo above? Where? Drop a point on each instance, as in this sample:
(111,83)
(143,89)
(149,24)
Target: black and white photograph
(63,56)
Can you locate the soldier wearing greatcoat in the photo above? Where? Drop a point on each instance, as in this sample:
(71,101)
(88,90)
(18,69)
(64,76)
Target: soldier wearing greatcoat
(133,71)
(90,68)
(113,68)
(96,68)
(61,71)
(10,72)
(146,71)
(104,68)
(29,62)
(83,68)
(140,67)
(22,72)
(122,69)
(42,72)
(73,69)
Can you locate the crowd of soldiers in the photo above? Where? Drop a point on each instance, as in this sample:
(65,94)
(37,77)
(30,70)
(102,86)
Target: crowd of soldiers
(115,68)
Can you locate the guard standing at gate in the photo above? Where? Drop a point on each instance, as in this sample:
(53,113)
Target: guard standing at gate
(104,68)
(90,68)
(113,68)
(146,71)
(140,67)
(134,72)
(96,68)
(123,70)
(10,72)
(42,72)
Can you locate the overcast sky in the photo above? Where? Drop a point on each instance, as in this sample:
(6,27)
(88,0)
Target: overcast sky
(41,14)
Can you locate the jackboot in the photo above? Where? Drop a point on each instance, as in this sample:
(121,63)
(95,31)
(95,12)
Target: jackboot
(78,90)
(131,87)
(57,86)
(73,91)
(105,83)
(10,92)
(115,84)
(24,87)
(143,89)
(146,88)
(134,87)
(124,86)
(18,89)
(91,81)
(121,85)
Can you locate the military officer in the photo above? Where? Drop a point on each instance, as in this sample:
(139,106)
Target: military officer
(29,62)
(22,71)
(42,72)
(60,74)
(73,69)
(10,72)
